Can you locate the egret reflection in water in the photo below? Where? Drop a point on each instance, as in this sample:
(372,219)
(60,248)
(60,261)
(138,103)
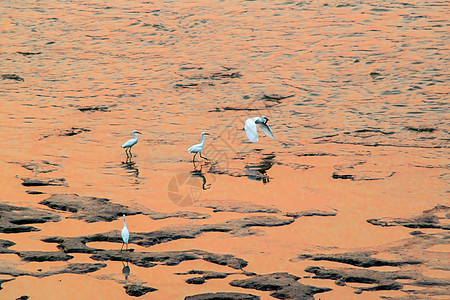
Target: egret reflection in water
(199,174)
(126,269)
(259,170)
(131,168)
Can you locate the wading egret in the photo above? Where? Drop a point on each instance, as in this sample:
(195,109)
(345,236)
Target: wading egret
(130,143)
(251,131)
(199,147)
(125,234)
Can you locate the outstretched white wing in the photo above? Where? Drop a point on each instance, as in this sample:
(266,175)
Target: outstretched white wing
(266,129)
(250,129)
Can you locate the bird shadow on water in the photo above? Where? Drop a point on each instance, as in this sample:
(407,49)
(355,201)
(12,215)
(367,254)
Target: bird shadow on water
(258,171)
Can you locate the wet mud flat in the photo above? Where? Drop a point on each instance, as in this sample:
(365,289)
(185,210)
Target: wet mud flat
(412,260)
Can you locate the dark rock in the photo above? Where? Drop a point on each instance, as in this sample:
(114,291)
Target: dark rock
(5,244)
(40,167)
(237,206)
(93,108)
(27,181)
(89,209)
(310,213)
(68,132)
(413,256)
(343,176)
(137,290)
(28,53)
(186,85)
(359,259)
(171,258)
(4,280)
(93,209)
(379,280)
(12,218)
(428,219)
(73,131)
(206,276)
(34,192)
(316,154)
(44,256)
(196,280)
(78,244)
(276,97)
(376,75)
(223,296)
(23,298)
(219,75)
(12,77)
(282,286)
(420,129)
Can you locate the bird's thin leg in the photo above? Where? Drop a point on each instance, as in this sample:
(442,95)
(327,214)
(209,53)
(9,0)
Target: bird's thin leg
(131,155)
(122,246)
(193,159)
(203,157)
(127,247)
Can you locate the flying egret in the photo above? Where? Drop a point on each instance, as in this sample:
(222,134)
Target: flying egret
(198,148)
(130,143)
(125,234)
(251,131)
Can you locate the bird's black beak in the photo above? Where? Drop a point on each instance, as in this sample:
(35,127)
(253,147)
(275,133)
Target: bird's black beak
(138,132)
(266,121)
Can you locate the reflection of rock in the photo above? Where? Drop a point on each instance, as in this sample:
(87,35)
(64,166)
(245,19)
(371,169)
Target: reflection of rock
(428,219)
(223,296)
(94,209)
(137,290)
(282,286)
(12,218)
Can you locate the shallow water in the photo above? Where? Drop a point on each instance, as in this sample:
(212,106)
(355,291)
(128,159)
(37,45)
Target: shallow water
(356,89)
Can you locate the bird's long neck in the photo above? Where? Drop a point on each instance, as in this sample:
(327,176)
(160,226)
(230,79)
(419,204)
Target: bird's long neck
(203,140)
(124,222)
(135,135)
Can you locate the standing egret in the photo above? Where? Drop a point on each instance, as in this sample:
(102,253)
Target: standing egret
(130,143)
(125,234)
(198,148)
(251,131)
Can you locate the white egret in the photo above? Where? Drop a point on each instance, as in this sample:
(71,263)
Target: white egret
(125,234)
(199,147)
(130,143)
(251,131)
